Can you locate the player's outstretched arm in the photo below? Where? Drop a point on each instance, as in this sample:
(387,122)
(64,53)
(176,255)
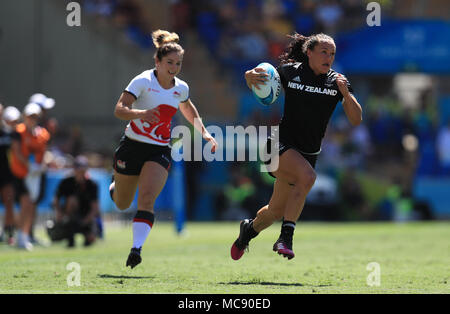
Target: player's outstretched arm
(191,114)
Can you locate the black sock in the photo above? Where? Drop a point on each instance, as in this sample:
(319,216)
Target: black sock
(251,232)
(287,228)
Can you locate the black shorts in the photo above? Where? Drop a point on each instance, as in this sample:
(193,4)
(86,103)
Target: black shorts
(283,147)
(131,156)
(5,177)
(20,188)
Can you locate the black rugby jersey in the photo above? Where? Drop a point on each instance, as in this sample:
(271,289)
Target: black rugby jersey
(310,100)
(85,193)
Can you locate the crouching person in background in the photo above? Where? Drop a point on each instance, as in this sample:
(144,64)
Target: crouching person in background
(76,205)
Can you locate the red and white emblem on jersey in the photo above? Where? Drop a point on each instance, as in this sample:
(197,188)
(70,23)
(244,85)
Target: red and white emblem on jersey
(176,94)
(121,164)
(158,131)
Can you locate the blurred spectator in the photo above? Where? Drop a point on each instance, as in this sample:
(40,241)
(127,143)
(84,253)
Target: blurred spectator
(272,9)
(238,195)
(46,104)
(379,126)
(127,15)
(275,46)
(8,137)
(68,140)
(181,16)
(354,13)
(360,138)
(329,13)
(27,165)
(100,8)
(322,202)
(227,49)
(276,19)
(443,147)
(251,46)
(353,204)
(51,125)
(76,206)
(305,21)
(423,125)
(139,31)
(74,143)
(331,154)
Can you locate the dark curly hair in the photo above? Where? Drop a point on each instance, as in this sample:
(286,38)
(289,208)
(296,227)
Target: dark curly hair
(296,50)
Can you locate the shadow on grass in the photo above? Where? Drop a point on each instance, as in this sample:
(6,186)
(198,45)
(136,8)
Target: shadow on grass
(107,276)
(266,283)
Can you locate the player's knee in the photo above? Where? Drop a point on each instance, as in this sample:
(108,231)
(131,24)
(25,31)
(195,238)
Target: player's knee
(310,179)
(305,180)
(123,205)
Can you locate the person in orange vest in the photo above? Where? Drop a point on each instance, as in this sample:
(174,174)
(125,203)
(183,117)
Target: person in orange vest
(27,166)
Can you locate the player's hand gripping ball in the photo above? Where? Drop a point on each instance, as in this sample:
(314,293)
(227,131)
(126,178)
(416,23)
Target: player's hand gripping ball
(268,92)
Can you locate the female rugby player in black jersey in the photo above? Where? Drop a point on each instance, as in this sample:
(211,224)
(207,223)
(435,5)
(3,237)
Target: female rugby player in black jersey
(312,91)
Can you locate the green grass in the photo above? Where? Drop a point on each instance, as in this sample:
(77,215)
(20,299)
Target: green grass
(330,258)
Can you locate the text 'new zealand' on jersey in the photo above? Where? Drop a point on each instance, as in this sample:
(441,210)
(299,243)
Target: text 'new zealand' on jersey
(310,100)
(150,95)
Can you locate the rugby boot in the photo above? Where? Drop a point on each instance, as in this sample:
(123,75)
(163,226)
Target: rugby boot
(134,258)
(246,233)
(283,246)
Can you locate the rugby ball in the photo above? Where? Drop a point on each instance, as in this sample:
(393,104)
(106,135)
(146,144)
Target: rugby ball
(268,92)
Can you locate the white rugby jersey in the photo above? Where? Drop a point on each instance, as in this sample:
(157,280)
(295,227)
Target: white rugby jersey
(149,95)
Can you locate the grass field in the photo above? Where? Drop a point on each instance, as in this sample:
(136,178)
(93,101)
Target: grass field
(330,258)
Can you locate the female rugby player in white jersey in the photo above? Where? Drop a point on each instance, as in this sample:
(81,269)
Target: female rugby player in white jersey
(312,92)
(143,157)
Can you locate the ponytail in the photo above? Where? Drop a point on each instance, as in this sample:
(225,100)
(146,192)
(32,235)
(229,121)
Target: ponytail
(299,45)
(161,37)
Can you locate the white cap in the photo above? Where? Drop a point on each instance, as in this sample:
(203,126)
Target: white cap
(43,101)
(31,109)
(49,103)
(38,99)
(11,114)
